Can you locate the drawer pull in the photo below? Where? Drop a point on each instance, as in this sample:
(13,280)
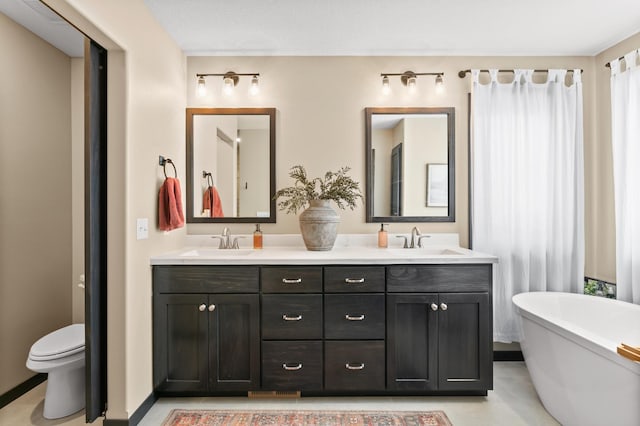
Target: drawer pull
(289,318)
(354,280)
(202,307)
(354,318)
(434,307)
(292,367)
(350,366)
(292,281)
(443,306)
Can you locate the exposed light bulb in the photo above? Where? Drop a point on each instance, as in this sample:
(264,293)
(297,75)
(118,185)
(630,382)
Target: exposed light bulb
(254,89)
(386,88)
(201,90)
(228,85)
(411,84)
(439,84)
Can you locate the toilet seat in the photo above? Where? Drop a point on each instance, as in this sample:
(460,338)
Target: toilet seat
(59,344)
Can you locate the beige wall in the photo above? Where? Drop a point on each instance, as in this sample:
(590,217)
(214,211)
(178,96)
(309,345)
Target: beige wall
(599,199)
(35,203)
(320,105)
(77,186)
(146,102)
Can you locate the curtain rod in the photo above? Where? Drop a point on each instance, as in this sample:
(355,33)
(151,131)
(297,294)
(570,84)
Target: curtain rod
(608,64)
(463,73)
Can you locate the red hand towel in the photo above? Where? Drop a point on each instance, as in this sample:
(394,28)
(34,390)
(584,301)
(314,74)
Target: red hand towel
(211,201)
(170,215)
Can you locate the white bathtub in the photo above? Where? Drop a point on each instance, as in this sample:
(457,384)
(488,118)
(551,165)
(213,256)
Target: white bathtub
(569,346)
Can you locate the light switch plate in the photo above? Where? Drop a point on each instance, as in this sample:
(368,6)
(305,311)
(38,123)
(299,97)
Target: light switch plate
(142,228)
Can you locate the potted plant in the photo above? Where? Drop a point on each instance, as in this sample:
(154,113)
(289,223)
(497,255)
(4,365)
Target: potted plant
(318,221)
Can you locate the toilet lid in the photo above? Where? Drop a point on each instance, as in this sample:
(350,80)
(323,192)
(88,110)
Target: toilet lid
(63,342)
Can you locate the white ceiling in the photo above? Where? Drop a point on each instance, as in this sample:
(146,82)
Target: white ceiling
(397,27)
(369,27)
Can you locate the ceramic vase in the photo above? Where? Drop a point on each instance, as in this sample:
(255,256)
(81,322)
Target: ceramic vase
(319,225)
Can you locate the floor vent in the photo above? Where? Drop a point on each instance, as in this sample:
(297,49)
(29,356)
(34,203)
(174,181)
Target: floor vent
(274,394)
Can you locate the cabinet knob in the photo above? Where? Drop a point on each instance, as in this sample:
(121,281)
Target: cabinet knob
(202,307)
(443,306)
(354,317)
(292,367)
(291,318)
(354,280)
(350,366)
(434,307)
(292,281)
(212,308)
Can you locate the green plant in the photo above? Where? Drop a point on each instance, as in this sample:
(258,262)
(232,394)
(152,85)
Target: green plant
(336,186)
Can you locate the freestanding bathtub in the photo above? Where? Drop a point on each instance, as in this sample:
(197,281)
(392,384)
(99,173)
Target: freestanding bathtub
(569,346)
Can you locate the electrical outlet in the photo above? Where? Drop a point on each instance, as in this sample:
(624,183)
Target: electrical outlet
(142,228)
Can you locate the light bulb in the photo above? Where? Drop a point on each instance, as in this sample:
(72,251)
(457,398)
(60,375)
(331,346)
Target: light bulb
(254,89)
(386,88)
(201,90)
(411,84)
(439,84)
(228,85)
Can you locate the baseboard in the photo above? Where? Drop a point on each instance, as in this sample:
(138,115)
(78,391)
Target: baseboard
(21,389)
(137,415)
(508,356)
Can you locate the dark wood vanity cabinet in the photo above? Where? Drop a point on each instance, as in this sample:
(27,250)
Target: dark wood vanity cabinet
(369,329)
(439,325)
(205,339)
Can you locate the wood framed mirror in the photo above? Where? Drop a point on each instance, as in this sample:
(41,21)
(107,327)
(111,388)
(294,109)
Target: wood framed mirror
(231,165)
(410,164)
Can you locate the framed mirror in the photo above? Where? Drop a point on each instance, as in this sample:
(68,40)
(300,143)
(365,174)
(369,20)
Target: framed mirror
(231,165)
(410,164)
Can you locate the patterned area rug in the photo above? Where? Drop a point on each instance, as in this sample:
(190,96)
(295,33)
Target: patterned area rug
(306,418)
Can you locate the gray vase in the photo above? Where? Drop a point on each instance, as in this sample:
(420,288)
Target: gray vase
(319,225)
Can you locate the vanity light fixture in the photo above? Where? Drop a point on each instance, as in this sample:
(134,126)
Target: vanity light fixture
(229,81)
(410,79)
(386,89)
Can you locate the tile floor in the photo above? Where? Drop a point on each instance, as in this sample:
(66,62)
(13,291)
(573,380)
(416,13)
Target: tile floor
(512,402)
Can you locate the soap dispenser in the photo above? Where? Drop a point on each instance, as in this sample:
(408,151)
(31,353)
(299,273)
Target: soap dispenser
(257,237)
(382,236)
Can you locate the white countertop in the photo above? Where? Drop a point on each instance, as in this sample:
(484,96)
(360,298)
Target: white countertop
(348,249)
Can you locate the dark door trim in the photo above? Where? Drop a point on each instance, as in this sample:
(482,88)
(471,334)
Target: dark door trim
(95,200)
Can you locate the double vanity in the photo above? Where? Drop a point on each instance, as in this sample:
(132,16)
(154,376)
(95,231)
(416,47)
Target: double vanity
(354,320)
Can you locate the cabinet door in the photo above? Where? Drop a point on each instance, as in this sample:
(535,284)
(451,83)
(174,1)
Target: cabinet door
(180,352)
(412,352)
(234,342)
(464,342)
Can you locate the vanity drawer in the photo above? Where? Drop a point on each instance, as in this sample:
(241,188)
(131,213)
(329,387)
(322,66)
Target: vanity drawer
(292,279)
(292,316)
(354,366)
(438,278)
(352,279)
(354,316)
(292,365)
(206,279)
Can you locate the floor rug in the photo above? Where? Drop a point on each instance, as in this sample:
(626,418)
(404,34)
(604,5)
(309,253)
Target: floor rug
(181,417)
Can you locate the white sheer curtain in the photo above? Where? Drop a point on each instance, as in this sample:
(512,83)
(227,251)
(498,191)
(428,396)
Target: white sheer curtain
(527,183)
(625,136)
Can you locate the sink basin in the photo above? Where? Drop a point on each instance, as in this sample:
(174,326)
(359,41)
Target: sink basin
(425,251)
(213,252)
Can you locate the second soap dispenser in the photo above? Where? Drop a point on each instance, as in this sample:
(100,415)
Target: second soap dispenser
(383,240)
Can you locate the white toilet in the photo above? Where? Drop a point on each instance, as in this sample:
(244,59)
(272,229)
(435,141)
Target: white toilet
(61,355)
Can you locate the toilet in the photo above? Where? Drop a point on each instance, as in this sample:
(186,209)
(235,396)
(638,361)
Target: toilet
(60,354)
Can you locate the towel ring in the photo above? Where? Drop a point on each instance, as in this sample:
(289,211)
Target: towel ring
(207,175)
(164,167)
